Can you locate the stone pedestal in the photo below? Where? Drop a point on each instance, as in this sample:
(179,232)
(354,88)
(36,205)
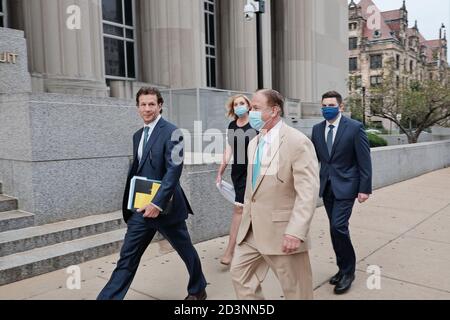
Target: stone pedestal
(14,76)
(62,156)
(63,60)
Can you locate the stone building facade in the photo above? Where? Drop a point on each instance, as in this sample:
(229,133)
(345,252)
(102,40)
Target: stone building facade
(111,47)
(65,134)
(72,67)
(377,38)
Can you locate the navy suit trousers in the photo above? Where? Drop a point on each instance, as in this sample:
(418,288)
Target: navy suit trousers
(339,213)
(138,237)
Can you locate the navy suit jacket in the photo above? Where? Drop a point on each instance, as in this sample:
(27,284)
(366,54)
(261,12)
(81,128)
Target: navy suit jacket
(162,160)
(349,167)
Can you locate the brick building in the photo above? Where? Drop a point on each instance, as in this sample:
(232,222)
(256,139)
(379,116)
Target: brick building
(376,37)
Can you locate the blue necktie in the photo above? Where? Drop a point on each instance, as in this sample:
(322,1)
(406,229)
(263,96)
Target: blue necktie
(257,165)
(330,139)
(146,131)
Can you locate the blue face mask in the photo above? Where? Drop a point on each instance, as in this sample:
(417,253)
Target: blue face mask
(256,120)
(240,111)
(330,113)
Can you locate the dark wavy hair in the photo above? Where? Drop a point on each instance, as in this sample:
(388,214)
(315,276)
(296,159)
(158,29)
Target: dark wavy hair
(149,91)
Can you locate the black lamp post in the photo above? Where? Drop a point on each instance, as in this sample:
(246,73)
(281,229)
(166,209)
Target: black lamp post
(259,43)
(364,105)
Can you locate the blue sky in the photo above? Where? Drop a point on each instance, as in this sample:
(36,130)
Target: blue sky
(430,14)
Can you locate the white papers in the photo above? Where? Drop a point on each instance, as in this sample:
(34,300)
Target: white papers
(227,190)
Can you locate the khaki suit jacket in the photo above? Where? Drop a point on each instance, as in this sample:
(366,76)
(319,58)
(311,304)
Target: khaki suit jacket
(285,196)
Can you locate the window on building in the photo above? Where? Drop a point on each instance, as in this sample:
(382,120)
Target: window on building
(211,43)
(377,34)
(435,55)
(355,82)
(352,26)
(376,102)
(397,61)
(358,82)
(376,61)
(397,82)
(119,35)
(353,64)
(411,66)
(376,81)
(3,13)
(352,43)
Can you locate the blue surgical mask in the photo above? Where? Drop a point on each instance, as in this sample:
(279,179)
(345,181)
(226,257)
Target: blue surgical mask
(256,121)
(240,111)
(330,113)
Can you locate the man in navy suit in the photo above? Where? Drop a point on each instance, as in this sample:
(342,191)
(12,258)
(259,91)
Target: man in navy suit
(158,155)
(343,151)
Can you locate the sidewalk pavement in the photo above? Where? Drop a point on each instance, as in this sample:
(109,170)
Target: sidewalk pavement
(404,229)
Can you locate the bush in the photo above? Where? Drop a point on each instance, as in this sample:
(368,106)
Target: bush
(376,141)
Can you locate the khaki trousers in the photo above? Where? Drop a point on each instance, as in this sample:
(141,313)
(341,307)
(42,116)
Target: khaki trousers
(249,269)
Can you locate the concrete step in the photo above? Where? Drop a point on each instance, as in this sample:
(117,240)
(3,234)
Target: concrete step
(12,242)
(47,259)
(13,220)
(7,203)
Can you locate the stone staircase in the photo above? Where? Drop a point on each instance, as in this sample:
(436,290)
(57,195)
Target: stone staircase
(27,250)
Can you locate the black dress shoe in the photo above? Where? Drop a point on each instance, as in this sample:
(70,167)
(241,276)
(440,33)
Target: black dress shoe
(344,284)
(200,296)
(336,278)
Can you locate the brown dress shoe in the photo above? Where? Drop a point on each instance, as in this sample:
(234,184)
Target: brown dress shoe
(200,296)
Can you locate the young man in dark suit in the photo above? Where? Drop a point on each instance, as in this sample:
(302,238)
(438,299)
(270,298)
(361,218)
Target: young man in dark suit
(343,151)
(157,155)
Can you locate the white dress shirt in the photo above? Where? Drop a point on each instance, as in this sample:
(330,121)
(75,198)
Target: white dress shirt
(151,126)
(335,129)
(269,138)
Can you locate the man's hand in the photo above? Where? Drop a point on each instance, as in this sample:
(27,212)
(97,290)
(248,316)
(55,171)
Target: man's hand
(362,197)
(150,211)
(290,244)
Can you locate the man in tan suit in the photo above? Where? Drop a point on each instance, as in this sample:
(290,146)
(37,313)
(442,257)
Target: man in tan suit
(280,200)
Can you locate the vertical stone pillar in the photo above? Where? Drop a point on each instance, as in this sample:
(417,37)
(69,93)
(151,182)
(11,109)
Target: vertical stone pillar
(238,48)
(63,60)
(310,47)
(172,43)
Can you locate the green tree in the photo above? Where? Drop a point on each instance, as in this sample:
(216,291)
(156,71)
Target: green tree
(413,106)
(354,102)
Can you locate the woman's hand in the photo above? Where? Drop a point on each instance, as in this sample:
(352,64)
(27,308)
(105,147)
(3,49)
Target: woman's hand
(219,179)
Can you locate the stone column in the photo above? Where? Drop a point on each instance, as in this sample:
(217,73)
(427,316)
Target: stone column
(63,60)
(267,44)
(310,47)
(238,55)
(172,43)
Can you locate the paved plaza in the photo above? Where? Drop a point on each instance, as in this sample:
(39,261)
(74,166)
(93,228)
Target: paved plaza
(404,231)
